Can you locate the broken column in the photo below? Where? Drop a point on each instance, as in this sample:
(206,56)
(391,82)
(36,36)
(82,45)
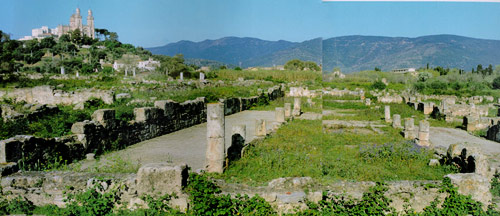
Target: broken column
(288,110)
(423,133)
(215,154)
(396,121)
(296,106)
(202,77)
(260,127)
(409,130)
(368,102)
(182,76)
(387,111)
(280,114)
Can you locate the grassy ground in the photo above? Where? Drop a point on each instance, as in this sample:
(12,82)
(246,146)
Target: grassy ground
(270,75)
(305,107)
(371,113)
(301,148)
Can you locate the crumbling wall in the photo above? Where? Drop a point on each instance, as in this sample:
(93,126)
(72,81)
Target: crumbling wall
(49,95)
(105,132)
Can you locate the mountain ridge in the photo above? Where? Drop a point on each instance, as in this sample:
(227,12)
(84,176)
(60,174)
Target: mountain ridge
(350,52)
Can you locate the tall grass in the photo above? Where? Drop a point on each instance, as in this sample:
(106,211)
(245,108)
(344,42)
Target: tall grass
(301,148)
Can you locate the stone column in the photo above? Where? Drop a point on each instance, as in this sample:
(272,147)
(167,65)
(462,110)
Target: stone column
(182,76)
(260,127)
(368,102)
(280,114)
(215,154)
(62,70)
(396,121)
(387,111)
(296,106)
(288,110)
(133,72)
(409,130)
(202,77)
(423,133)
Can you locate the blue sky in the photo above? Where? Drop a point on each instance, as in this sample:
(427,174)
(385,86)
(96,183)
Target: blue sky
(150,23)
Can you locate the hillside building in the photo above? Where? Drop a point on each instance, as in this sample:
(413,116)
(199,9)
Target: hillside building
(75,22)
(404,70)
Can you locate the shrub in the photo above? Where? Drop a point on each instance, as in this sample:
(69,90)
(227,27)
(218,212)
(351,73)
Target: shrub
(424,76)
(206,199)
(378,85)
(438,85)
(496,83)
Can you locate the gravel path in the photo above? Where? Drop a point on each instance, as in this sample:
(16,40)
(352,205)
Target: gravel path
(187,145)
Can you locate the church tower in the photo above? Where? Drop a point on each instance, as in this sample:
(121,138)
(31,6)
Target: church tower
(90,25)
(75,22)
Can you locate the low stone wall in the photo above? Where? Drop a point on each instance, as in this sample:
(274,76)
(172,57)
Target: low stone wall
(48,95)
(45,188)
(285,195)
(302,92)
(10,114)
(474,123)
(338,92)
(390,99)
(105,132)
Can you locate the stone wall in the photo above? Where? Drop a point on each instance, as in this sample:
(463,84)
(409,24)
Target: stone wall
(474,123)
(49,95)
(302,92)
(105,132)
(45,188)
(390,99)
(284,194)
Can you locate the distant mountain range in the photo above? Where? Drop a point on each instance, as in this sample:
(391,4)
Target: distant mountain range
(350,53)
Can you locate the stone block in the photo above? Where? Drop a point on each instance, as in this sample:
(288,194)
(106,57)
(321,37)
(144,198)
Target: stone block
(147,114)
(280,114)
(473,184)
(168,107)
(260,127)
(396,121)
(296,106)
(10,150)
(288,110)
(161,178)
(104,116)
(84,127)
(387,114)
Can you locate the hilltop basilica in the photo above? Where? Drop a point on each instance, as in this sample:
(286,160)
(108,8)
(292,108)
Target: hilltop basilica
(75,22)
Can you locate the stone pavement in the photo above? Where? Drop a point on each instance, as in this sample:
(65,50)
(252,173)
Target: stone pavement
(187,145)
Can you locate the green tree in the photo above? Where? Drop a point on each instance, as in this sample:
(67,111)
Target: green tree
(76,37)
(294,64)
(490,69)
(312,66)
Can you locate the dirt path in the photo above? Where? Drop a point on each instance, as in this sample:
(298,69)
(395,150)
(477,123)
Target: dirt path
(187,145)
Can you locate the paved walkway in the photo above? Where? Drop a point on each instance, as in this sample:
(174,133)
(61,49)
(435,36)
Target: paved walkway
(444,137)
(187,145)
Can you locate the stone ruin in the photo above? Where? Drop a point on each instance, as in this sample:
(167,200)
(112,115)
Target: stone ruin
(104,130)
(51,96)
